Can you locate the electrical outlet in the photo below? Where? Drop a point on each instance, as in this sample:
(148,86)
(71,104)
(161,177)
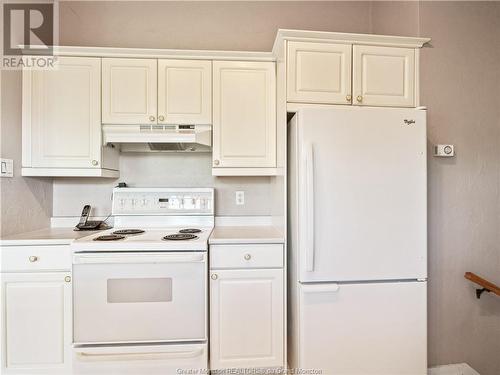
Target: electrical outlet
(240,198)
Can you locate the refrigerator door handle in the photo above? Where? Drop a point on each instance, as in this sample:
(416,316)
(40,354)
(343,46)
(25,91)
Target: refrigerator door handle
(320,288)
(310,207)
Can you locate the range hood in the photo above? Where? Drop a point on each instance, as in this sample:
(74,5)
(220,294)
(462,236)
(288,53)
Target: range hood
(159,138)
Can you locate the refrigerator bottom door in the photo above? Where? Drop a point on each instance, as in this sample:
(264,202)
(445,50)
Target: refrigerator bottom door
(162,359)
(365,328)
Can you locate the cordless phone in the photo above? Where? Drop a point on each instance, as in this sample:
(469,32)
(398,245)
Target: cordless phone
(85,224)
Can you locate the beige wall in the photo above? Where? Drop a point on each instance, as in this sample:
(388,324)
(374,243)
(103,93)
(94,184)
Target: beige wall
(460,82)
(226,25)
(26,203)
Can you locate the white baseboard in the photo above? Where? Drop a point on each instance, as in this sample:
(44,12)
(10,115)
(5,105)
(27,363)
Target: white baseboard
(454,369)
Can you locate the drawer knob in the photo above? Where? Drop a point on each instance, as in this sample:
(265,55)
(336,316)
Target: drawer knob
(348,98)
(95,162)
(359,98)
(161,118)
(67,279)
(216,162)
(247,257)
(214,276)
(151,118)
(33,258)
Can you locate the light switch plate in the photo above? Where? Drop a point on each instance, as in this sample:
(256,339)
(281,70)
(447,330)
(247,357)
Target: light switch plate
(7,167)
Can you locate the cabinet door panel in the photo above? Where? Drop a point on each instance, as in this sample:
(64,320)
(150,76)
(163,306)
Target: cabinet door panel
(129,91)
(319,73)
(184,92)
(246,324)
(384,76)
(62,111)
(36,332)
(244,126)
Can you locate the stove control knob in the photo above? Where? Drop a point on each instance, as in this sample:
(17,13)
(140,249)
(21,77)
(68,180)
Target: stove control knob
(214,276)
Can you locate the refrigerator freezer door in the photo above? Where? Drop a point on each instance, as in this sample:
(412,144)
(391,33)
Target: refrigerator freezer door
(375,328)
(362,194)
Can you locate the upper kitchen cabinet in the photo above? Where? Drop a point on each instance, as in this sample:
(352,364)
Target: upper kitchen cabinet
(184,92)
(129,91)
(384,76)
(319,73)
(244,118)
(62,121)
(328,68)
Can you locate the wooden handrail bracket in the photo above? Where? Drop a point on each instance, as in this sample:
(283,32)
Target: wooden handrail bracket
(486,286)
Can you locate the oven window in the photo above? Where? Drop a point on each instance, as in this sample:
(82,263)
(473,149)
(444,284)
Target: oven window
(139,290)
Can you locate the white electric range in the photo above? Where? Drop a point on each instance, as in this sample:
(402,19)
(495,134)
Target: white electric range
(140,288)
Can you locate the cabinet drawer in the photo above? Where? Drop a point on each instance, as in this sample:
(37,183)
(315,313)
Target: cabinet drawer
(246,256)
(35,258)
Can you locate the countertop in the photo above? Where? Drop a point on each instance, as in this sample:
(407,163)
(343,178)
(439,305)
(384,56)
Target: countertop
(245,234)
(47,236)
(220,235)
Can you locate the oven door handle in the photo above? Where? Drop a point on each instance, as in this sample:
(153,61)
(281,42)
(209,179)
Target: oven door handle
(121,258)
(140,356)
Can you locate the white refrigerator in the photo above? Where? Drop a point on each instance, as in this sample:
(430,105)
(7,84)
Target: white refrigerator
(357,194)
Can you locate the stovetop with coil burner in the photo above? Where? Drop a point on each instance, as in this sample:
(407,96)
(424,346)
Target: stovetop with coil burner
(155,219)
(150,239)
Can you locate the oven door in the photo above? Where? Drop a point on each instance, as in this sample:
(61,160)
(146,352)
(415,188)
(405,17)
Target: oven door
(139,297)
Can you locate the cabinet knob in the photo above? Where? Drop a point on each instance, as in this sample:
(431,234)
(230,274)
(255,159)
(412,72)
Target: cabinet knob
(33,258)
(214,276)
(348,98)
(247,257)
(161,118)
(95,162)
(67,279)
(151,118)
(359,98)
(216,162)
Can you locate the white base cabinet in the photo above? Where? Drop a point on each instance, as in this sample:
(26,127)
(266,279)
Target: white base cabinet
(246,311)
(36,323)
